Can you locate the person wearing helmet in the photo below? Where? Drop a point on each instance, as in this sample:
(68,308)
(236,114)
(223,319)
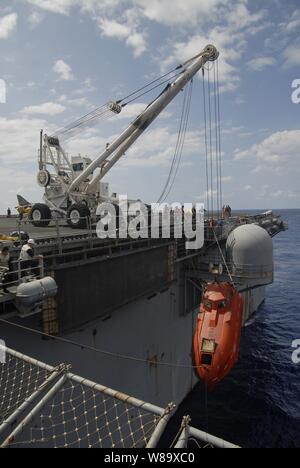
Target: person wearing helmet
(27,257)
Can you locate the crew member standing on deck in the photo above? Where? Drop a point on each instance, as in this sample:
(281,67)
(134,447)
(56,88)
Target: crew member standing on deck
(5,262)
(27,257)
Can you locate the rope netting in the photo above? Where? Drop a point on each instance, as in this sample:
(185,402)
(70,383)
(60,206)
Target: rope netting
(46,407)
(77,415)
(18,380)
(80,417)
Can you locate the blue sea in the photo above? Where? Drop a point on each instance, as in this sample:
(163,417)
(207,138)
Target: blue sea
(258,404)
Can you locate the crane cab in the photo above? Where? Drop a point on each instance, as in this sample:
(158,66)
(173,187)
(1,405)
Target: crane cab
(79,164)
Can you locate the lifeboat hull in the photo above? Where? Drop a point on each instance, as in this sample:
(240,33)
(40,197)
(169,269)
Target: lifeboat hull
(217,336)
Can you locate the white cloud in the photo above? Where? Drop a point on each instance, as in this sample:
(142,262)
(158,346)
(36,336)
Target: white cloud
(138,42)
(280,150)
(55,6)
(156,148)
(78,102)
(260,63)
(111,28)
(7,25)
(90,144)
(123,31)
(293,24)
(86,87)
(240,16)
(35,18)
(292,55)
(47,108)
(156,10)
(238,23)
(126,20)
(181,12)
(64,7)
(20,140)
(63,70)
(24,184)
(131,111)
(228,74)
(104,13)
(227,179)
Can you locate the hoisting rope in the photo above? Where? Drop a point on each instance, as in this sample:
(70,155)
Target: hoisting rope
(151,83)
(210,146)
(101,113)
(206,144)
(217,143)
(169,80)
(179,144)
(212,130)
(223,258)
(105,111)
(220,138)
(176,150)
(97,350)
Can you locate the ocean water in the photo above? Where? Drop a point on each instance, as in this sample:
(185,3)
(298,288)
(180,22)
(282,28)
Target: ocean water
(258,404)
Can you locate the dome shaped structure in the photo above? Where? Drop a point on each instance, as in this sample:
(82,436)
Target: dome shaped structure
(249,251)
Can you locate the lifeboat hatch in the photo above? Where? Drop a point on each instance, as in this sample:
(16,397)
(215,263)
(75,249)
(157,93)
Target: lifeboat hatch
(206,359)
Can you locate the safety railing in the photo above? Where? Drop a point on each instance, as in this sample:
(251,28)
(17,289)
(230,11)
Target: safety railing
(44,406)
(215,265)
(21,271)
(60,234)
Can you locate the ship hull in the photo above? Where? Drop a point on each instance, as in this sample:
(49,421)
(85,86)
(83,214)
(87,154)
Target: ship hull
(149,346)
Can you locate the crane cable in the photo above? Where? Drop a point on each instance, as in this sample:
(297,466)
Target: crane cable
(213,150)
(206,143)
(150,84)
(220,138)
(176,148)
(216,144)
(186,121)
(102,352)
(104,112)
(210,146)
(100,113)
(151,89)
(179,144)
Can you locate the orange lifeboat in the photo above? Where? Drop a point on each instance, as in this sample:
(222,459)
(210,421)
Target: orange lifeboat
(216,342)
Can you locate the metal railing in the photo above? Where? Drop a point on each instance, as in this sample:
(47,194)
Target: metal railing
(45,406)
(19,273)
(214,264)
(61,236)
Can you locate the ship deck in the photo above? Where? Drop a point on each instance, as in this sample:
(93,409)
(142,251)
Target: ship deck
(8,225)
(59,239)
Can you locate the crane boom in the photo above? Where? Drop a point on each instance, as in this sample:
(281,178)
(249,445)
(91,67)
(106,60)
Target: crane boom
(121,144)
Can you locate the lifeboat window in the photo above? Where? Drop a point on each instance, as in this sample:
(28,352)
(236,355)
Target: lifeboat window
(206,359)
(222,305)
(208,346)
(208,305)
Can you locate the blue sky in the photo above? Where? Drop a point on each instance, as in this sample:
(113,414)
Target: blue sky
(62,58)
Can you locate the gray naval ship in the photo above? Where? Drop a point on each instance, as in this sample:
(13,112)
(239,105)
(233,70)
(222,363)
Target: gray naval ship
(123,311)
(127,309)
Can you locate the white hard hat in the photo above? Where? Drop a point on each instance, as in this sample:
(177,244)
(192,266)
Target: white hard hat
(31,242)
